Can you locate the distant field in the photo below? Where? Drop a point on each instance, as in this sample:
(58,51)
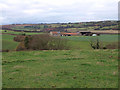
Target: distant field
(75,42)
(19,33)
(103,38)
(60,69)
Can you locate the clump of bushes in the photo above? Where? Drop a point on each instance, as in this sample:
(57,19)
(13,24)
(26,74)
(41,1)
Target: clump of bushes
(42,42)
(95,43)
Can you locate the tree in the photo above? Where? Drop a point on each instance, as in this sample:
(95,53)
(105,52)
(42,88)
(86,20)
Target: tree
(26,42)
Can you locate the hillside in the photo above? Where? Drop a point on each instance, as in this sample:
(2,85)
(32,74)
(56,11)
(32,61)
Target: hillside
(66,27)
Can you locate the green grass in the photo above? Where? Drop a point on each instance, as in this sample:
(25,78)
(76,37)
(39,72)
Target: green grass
(83,42)
(103,38)
(79,45)
(8,43)
(60,69)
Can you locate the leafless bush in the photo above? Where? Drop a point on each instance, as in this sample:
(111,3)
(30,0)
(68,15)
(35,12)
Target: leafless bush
(57,44)
(39,42)
(19,38)
(42,42)
(95,43)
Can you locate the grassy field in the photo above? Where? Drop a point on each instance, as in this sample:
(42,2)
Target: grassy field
(79,67)
(8,43)
(60,69)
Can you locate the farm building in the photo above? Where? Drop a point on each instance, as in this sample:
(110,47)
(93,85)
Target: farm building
(80,33)
(70,34)
(53,33)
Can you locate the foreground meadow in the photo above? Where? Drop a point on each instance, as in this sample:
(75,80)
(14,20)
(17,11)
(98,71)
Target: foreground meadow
(60,69)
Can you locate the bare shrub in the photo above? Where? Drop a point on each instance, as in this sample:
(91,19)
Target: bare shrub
(4,50)
(39,42)
(42,42)
(19,38)
(95,43)
(57,44)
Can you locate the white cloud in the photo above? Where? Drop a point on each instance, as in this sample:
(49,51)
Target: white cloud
(33,11)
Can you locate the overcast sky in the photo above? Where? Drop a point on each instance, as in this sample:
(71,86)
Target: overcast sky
(51,11)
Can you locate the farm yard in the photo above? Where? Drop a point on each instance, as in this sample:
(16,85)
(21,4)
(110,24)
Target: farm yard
(79,67)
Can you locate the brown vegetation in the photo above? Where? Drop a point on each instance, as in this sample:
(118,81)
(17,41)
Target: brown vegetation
(4,50)
(41,42)
(19,38)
